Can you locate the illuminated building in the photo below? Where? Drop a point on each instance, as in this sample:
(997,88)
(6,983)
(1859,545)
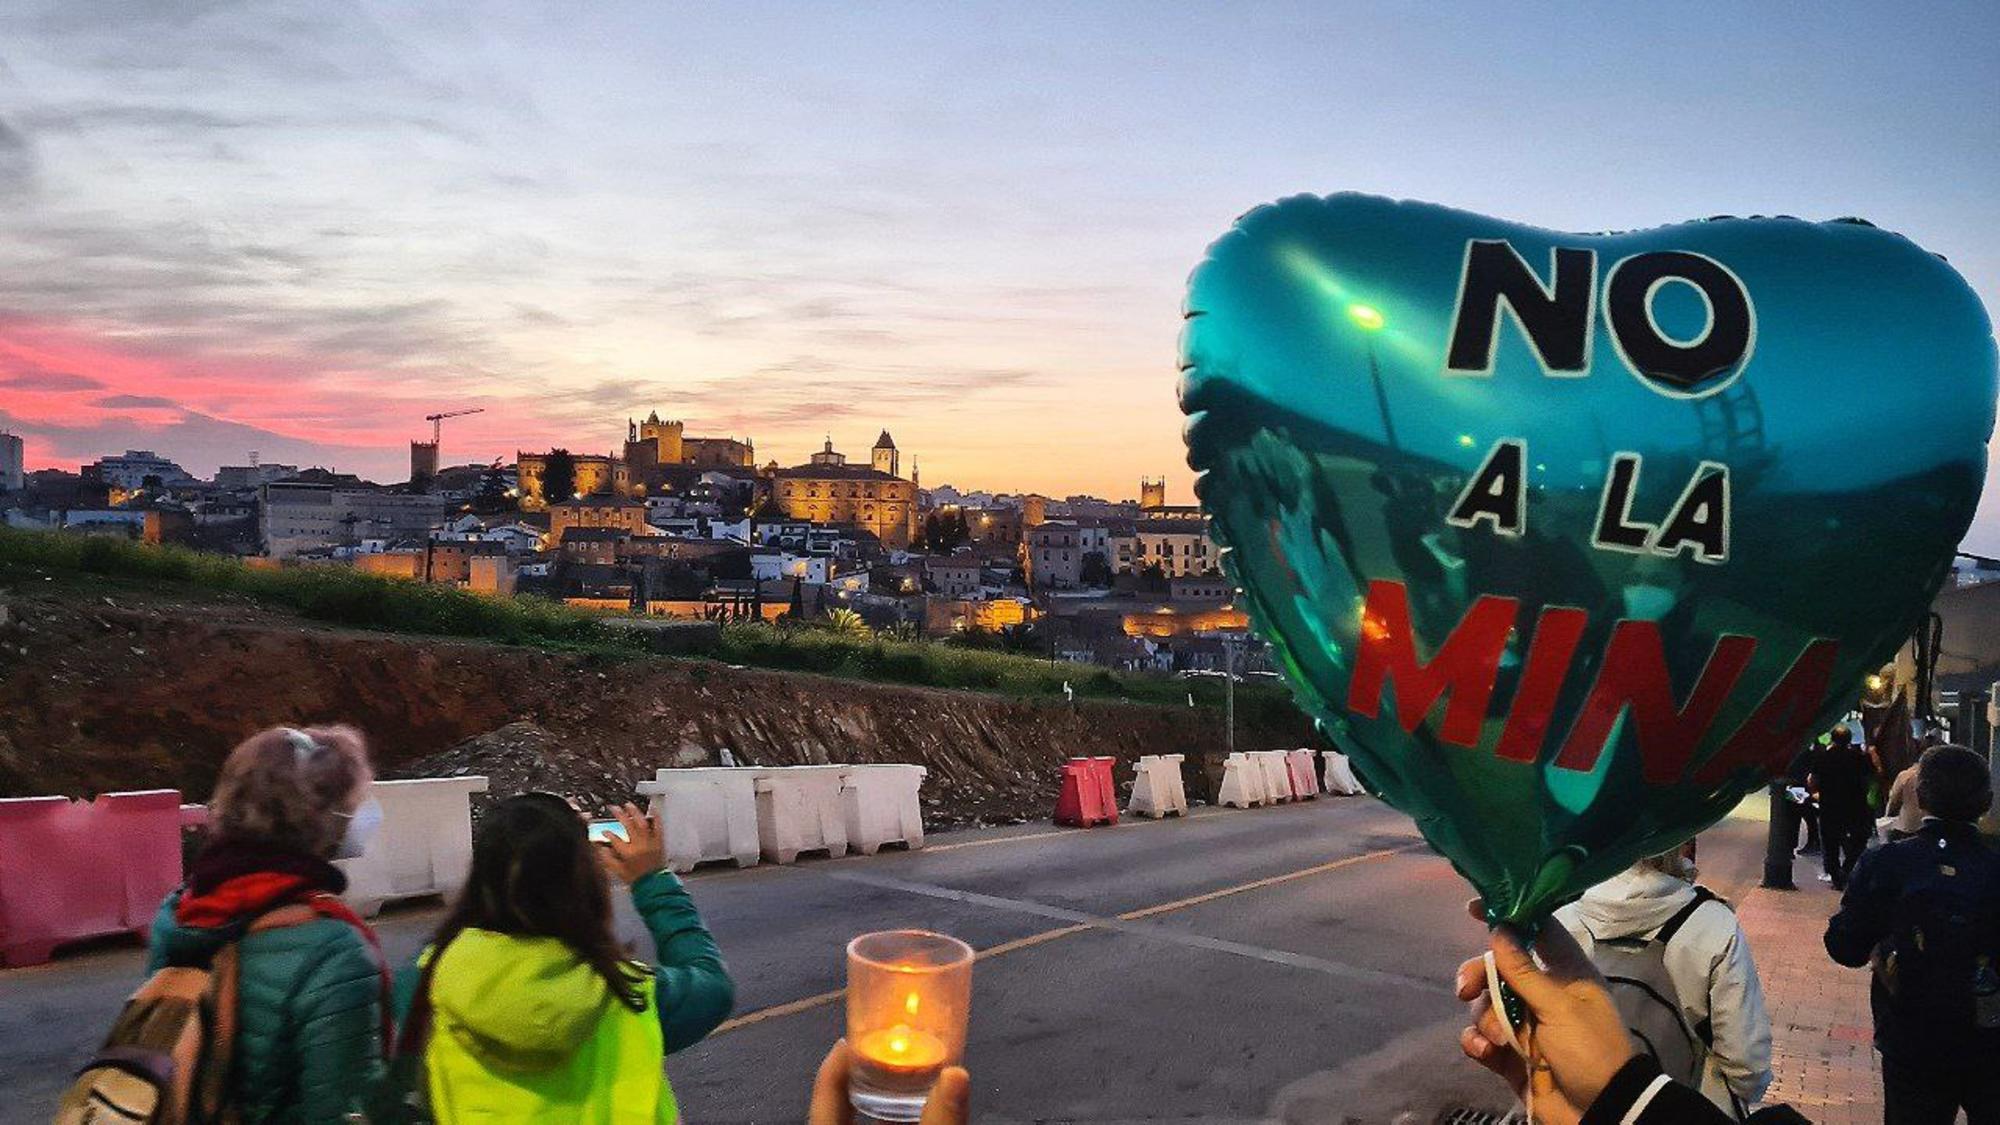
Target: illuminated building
(828,490)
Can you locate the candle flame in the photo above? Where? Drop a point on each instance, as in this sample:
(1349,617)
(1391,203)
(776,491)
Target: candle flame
(899,1045)
(910,1005)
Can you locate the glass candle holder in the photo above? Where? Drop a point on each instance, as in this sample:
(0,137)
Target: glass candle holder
(909,993)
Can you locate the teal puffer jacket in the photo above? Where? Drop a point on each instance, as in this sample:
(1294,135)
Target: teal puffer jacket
(309,1020)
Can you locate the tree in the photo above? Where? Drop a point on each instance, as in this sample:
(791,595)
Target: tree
(1153,578)
(1096,569)
(490,498)
(847,623)
(558,476)
(944,531)
(798,610)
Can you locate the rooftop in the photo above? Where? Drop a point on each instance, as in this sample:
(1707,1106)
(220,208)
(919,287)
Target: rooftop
(833,472)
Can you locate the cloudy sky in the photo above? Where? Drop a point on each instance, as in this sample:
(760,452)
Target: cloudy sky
(297,227)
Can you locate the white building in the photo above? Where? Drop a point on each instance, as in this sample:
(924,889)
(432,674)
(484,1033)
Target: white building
(784,564)
(238,477)
(130,471)
(13,475)
(301,516)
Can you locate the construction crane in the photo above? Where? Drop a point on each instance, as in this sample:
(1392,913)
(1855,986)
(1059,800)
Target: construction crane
(437,421)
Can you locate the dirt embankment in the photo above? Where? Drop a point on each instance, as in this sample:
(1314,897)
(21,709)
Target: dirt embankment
(105,694)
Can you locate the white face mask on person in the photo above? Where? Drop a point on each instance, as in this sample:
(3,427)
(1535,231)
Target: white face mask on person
(362,825)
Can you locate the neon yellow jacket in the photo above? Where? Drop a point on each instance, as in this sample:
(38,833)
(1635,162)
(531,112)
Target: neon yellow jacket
(522,1030)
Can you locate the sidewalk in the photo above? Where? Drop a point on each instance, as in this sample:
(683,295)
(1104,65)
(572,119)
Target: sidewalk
(1821,1052)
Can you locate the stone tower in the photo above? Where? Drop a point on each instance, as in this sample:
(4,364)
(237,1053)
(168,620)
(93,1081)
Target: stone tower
(666,437)
(886,459)
(1152,493)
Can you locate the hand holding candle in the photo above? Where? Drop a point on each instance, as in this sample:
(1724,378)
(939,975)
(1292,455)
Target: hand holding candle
(908,996)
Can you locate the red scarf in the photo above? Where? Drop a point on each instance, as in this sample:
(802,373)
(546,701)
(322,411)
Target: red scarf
(241,898)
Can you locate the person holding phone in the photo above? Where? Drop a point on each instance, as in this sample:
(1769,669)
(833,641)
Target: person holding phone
(525,1008)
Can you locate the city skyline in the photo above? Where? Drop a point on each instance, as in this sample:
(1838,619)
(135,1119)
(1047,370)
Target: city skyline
(294,229)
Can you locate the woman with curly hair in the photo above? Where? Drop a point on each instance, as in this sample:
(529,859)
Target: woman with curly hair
(312,986)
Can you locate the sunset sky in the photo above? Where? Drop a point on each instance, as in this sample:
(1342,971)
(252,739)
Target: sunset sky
(298,227)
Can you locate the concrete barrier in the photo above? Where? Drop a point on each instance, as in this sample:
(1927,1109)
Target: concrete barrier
(1088,796)
(71,870)
(709,814)
(424,846)
(1157,788)
(1304,778)
(1277,774)
(881,806)
(801,809)
(1340,779)
(1243,783)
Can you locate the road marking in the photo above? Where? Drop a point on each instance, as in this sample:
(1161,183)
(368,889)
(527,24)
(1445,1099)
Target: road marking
(1197,900)
(1081,922)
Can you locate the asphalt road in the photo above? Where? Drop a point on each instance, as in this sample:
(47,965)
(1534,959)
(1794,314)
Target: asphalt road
(1289,963)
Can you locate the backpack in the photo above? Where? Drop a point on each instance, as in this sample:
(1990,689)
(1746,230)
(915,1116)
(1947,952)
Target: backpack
(1635,968)
(167,1058)
(1945,939)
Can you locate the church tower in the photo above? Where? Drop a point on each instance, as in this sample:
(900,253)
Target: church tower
(1152,493)
(886,459)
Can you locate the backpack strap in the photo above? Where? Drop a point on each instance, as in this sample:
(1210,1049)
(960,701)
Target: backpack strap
(1702,895)
(211,1086)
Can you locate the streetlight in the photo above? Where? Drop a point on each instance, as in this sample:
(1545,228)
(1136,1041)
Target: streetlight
(1370,319)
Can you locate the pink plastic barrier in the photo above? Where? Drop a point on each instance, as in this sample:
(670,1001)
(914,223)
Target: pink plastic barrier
(1088,794)
(1304,778)
(79,869)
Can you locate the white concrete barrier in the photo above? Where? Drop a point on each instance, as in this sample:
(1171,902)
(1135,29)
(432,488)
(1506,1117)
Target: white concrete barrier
(1242,783)
(1340,777)
(881,806)
(1304,778)
(1277,774)
(801,809)
(424,846)
(1157,789)
(709,814)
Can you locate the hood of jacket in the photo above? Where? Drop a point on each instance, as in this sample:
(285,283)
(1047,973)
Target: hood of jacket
(516,1003)
(1634,901)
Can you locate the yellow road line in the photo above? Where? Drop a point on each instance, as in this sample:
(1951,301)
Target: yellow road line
(1259,884)
(820,1000)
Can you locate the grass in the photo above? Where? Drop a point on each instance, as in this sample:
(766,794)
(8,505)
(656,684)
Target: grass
(337,595)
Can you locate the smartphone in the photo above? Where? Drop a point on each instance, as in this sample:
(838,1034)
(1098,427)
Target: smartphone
(602,830)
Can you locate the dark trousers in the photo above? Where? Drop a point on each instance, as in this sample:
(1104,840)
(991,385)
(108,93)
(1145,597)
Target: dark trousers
(1933,1091)
(1842,840)
(1809,816)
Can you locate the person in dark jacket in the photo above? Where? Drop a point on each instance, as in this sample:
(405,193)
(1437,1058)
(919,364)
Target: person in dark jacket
(312,995)
(1924,913)
(1840,773)
(525,1008)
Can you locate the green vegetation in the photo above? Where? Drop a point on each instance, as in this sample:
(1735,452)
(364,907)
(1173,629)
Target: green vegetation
(339,596)
(333,594)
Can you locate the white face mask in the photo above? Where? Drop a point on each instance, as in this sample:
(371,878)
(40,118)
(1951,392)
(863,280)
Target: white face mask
(362,824)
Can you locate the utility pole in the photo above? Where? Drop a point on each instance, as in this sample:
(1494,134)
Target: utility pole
(1229,695)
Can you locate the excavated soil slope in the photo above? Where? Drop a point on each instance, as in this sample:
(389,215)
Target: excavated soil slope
(107,693)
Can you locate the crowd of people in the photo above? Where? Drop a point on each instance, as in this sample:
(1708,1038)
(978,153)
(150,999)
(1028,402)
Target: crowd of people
(1642,1005)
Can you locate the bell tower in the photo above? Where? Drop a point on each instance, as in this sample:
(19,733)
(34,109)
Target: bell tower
(885,457)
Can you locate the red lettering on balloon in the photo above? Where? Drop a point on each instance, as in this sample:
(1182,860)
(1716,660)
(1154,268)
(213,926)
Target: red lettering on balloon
(1465,665)
(1774,731)
(1557,632)
(1634,674)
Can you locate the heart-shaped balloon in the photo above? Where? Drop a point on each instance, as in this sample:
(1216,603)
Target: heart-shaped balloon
(1571,541)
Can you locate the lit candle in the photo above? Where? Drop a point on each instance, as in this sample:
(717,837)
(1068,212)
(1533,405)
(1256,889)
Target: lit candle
(901,1057)
(908,993)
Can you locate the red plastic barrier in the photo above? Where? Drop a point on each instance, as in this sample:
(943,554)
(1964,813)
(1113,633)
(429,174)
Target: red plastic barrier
(1089,795)
(73,869)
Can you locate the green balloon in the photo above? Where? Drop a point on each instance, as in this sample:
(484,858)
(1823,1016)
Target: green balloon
(1572,541)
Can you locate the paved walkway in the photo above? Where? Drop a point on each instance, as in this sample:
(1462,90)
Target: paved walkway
(1822,1053)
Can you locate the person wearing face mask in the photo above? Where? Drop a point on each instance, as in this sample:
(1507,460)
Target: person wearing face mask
(313,988)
